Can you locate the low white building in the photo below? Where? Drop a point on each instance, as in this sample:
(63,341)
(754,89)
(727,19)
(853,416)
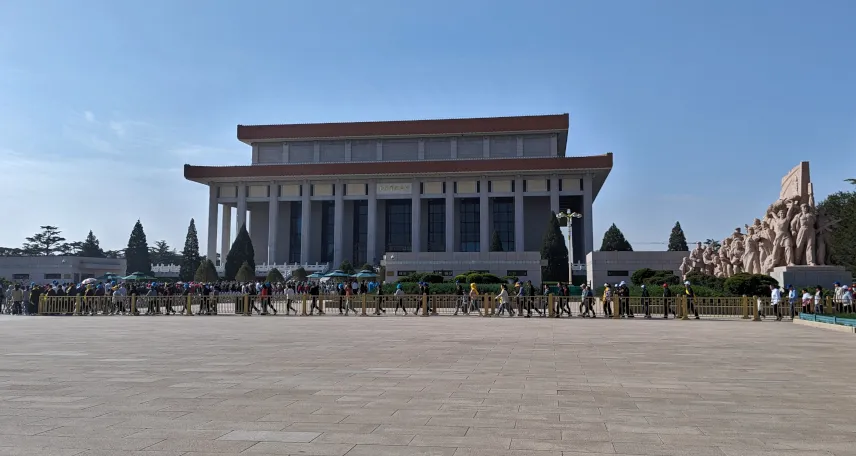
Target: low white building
(63,269)
(614,267)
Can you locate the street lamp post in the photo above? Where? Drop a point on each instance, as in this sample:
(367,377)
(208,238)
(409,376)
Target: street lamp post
(570,216)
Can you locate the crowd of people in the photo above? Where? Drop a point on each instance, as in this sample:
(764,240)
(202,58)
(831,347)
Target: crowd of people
(520,299)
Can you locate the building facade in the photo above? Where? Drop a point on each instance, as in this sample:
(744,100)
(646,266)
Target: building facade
(62,269)
(616,267)
(414,195)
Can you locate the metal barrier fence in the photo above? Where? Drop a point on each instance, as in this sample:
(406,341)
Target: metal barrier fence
(429,305)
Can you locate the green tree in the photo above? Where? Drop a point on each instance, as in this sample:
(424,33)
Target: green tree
(114,254)
(247,273)
(46,242)
(91,247)
(837,220)
(162,253)
(346,267)
(69,248)
(299,274)
(367,267)
(713,244)
(496,243)
(190,259)
(614,241)
(554,250)
(206,272)
(241,252)
(274,276)
(677,240)
(137,252)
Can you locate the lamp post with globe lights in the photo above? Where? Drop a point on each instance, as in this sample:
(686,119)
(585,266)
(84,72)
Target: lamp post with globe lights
(569,216)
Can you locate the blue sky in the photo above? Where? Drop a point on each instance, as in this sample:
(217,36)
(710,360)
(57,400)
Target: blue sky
(705,104)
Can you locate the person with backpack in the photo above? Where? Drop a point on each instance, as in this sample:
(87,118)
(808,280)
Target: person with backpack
(690,295)
(646,301)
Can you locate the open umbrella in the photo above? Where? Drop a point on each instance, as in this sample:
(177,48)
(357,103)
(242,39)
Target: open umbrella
(89,280)
(365,274)
(109,276)
(138,276)
(315,275)
(337,274)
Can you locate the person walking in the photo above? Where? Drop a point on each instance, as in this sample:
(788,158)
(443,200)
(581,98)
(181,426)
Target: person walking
(667,302)
(793,297)
(775,300)
(504,303)
(314,292)
(399,299)
(818,300)
(474,298)
(646,301)
(380,301)
(587,302)
(461,299)
(349,306)
(690,296)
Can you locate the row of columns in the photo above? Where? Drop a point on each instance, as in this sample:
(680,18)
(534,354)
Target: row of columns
(371,247)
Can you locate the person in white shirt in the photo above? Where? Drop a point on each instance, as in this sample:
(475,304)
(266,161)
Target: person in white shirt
(837,294)
(775,300)
(290,295)
(818,300)
(806,301)
(504,303)
(792,299)
(846,299)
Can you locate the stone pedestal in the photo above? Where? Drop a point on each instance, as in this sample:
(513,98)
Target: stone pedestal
(810,276)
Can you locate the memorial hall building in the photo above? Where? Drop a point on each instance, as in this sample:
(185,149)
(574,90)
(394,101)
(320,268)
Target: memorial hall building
(414,196)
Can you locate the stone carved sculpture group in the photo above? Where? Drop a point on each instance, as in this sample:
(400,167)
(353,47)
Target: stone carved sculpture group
(791,233)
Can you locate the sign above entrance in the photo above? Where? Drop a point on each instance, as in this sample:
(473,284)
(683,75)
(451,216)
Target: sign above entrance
(395,189)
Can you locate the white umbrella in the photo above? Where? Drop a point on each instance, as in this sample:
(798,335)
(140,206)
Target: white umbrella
(89,280)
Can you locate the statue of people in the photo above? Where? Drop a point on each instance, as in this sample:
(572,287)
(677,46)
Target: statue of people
(765,243)
(708,256)
(803,225)
(825,224)
(783,244)
(697,258)
(736,255)
(725,257)
(684,268)
(751,252)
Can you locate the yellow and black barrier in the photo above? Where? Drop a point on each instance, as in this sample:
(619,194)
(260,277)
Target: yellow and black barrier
(746,307)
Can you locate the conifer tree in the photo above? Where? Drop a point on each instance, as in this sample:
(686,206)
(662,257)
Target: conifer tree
(614,241)
(137,252)
(274,276)
(554,250)
(91,247)
(247,273)
(241,252)
(190,259)
(677,240)
(496,243)
(206,272)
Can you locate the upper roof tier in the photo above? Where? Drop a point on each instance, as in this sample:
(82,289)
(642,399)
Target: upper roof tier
(557,123)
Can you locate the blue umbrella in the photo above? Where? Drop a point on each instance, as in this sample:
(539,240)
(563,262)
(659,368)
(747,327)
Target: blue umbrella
(315,275)
(337,274)
(365,274)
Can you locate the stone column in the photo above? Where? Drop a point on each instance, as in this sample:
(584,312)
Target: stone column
(554,194)
(338,224)
(242,205)
(273,222)
(371,223)
(211,251)
(484,214)
(226,239)
(518,215)
(415,217)
(588,197)
(450,216)
(306,209)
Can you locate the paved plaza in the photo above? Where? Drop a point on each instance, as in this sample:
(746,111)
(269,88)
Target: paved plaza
(439,386)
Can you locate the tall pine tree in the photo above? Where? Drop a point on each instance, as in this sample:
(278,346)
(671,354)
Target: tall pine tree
(91,247)
(677,240)
(241,252)
(137,252)
(190,259)
(554,250)
(614,241)
(496,242)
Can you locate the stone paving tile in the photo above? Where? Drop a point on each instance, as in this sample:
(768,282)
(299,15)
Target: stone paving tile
(473,387)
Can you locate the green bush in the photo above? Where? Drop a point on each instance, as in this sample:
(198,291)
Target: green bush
(417,277)
(439,288)
(749,284)
(653,277)
(704,280)
(657,291)
(478,277)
